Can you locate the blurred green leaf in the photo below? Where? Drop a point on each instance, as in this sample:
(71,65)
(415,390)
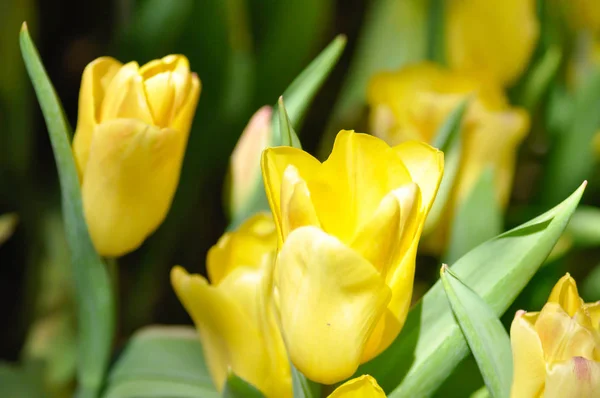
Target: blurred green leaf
(484,333)
(539,79)
(584,227)
(478,218)
(287,135)
(590,288)
(303,387)
(573,146)
(393,34)
(236,387)
(481,393)
(21,381)
(449,132)
(431,344)
(161,361)
(93,285)
(8,223)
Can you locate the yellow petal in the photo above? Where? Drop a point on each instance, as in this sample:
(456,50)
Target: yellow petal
(97,75)
(185,114)
(484,42)
(529,370)
(234,330)
(574,378)
(129,182)
(255,239)
(125,97)
(330,299)
(360,387)
(274,162)
(563,337)
(297,209)
(593,310)
(565,294)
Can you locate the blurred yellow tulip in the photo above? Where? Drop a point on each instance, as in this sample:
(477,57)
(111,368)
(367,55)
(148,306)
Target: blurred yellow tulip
(413,102)
(556,352)
(360,387)
(132,130)
(493,42)
(348,234)
(234,313)
(583,14)
(244,165)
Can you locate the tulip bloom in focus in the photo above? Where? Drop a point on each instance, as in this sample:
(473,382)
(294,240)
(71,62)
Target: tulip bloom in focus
(492,42)
(413,102)
(360,387)
(132,130)
(556,352)
(348,234)
(234,314)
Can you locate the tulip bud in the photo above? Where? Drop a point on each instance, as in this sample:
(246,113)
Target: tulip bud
(486,43)
(556,352)
(244,165)
(132,130)
(360,387)
(348,234)
(234,313)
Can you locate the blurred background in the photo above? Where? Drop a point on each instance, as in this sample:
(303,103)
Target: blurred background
(246,52)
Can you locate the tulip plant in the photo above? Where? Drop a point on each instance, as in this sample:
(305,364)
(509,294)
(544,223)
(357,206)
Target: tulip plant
(313,290)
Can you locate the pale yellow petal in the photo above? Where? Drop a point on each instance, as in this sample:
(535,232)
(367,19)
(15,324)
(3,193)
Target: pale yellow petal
(297,209)
(183,120)
(330,299)
(566,295)
(493,43)
(360,387)
(274,162)
(97,75)
(129,182)
(529,369)
(574,378)
(254,240)
(593,310)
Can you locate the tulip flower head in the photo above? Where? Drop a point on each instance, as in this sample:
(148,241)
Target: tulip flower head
(132,130)
(360,387)
(556,352)
(348,230)
(234,314)
(413,102)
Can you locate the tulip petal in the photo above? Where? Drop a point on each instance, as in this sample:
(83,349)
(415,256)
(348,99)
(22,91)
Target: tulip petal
(234,329)
(274,162)
(297,209)
(360,387)
(593,310)
(246,247)
(129,182)
(94,82)
(575,378)
(528,358)
(565,294)
(330,299)
(183,120)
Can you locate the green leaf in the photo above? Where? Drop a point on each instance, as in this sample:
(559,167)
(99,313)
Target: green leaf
(431,343)
(288,135)
(539,79)
(23,381)
(478,218)
(303,387)
(481,393)
(92,282)
(303,89)
(236,387)
(584,228)
(161,361)
(484,333)
(447,139)
(394,33)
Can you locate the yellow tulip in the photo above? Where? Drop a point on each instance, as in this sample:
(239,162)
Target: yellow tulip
(360,387)
(132,130)
(244,165)
(234,313)
(556,352)
(413,102)
(493,42)
(348,233)
(583,14)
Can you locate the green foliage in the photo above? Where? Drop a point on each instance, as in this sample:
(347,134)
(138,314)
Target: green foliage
(236,387)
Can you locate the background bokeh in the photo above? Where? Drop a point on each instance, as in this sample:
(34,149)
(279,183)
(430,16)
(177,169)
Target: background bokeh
(246,53)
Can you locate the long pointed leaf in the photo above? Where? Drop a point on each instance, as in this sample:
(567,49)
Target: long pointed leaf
(92,282)
(236,387)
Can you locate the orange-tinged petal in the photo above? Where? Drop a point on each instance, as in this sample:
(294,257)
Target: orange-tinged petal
(566,295)
(360,387)
(575,378)
(330,299)
(529,370)
(129,182)
(97,75)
